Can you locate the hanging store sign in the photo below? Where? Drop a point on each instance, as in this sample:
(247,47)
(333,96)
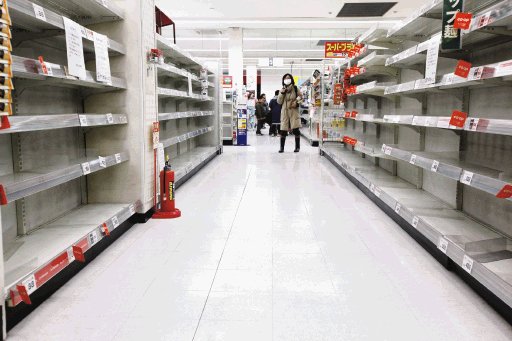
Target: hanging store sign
(462,69)
(75,49)
(463,21)
(458,119)
(227,82)
(340,49)
(451,36)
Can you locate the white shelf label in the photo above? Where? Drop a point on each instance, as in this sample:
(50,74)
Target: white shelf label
(71,255)
(115,221)
(110,119)
(39,12)
(103,74)
(415,222)
(103,162)
(30,284)
(388,150)
(473,124)
(398,207)
(467,177)
(443,245)
(86,168)
(83,120)
(435,166)
(383,148)
(75,49)
(412,161)
(467,264)
(118,158)
(93,238)
(123,119)
(372,188)
(132,209)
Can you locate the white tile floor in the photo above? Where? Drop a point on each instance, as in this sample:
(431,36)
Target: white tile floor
(270,247)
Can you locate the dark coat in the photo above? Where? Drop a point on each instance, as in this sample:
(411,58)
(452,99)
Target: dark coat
(275,110)
(260,111)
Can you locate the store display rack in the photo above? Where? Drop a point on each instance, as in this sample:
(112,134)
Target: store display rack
(446,179)
(229,122)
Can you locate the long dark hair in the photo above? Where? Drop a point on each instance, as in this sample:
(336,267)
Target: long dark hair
(287,74)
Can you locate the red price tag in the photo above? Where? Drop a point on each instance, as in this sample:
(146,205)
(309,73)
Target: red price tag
(353,114)
(50,270)
(458,119)
(347,114)
(462,69)
(106,230)
(43,65)
(462,20)
(23,294)
(79,250)
(505,192)
(3,196)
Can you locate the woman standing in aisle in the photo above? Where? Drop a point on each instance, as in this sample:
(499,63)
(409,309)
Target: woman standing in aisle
(290,98)
(251,109)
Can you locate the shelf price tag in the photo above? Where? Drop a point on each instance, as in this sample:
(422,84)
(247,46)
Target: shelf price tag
(473,124)
(105,229)
(110,119)
(118,158)
(443,245)
(467,264)
(462,69)
(103,162)
(39,12)
(115,221)
(412,161)
(458,119)
(86,168)
(79,250)
(93,238)
(388,150)
(415,222)
(24,294)
(83,120)
(462,20)
(435,166)
(398,208)
(505,192)
(467,177)
(30,284)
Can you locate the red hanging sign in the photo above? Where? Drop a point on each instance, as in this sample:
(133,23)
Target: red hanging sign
(339,49)
(458,119)
(347,114)
(505,192)
(462,69)
(3,196)
(23,294)
(462,20)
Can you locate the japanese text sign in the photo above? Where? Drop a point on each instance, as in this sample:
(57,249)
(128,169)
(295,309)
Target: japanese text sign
(451,36)
(462,20)
(339,49)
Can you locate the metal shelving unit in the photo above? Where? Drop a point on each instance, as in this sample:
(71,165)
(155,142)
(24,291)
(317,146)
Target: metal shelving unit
(452,185)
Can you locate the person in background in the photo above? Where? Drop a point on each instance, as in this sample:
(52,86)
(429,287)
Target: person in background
(290,98)
(251,109)
(275,114)
(261,114)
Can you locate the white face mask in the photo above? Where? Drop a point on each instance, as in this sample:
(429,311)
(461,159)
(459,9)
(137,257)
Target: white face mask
(287,81)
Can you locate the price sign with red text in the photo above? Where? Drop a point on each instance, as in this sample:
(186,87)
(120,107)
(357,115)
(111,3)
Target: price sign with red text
(458,119)
(462,20)
(338,93)
(353,114)
(339,49)
(462,69)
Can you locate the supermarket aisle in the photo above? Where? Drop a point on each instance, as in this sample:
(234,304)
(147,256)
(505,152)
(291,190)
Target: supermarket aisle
(270,247)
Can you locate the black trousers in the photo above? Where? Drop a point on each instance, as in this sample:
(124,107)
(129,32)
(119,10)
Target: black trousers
(274,128)
(259,126)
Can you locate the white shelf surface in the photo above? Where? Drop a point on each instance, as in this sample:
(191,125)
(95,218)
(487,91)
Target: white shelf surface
(187,162)
(184,137)
(27,123)
(172,93)
(20,185)
(449,165)
(373,59)
(87,11)
(436,221)
(23,16)
(418,24)
(31,69)
(183,114)
(39,248)
(372,88)
(177,54)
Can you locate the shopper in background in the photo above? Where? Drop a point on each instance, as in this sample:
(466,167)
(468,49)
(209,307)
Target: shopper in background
(251,109)
(261,114)
(290,98)
(275,114)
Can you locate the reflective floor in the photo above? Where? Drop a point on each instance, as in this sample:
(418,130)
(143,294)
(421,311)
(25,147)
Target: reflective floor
(270,247)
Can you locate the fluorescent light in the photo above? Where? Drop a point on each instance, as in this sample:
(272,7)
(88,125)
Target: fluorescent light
(250,50)
(265,39)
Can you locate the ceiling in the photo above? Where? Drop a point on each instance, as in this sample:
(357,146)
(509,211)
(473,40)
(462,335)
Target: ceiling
(272,28)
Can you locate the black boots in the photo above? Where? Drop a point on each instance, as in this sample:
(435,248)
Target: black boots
(283,140)
(297,144)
